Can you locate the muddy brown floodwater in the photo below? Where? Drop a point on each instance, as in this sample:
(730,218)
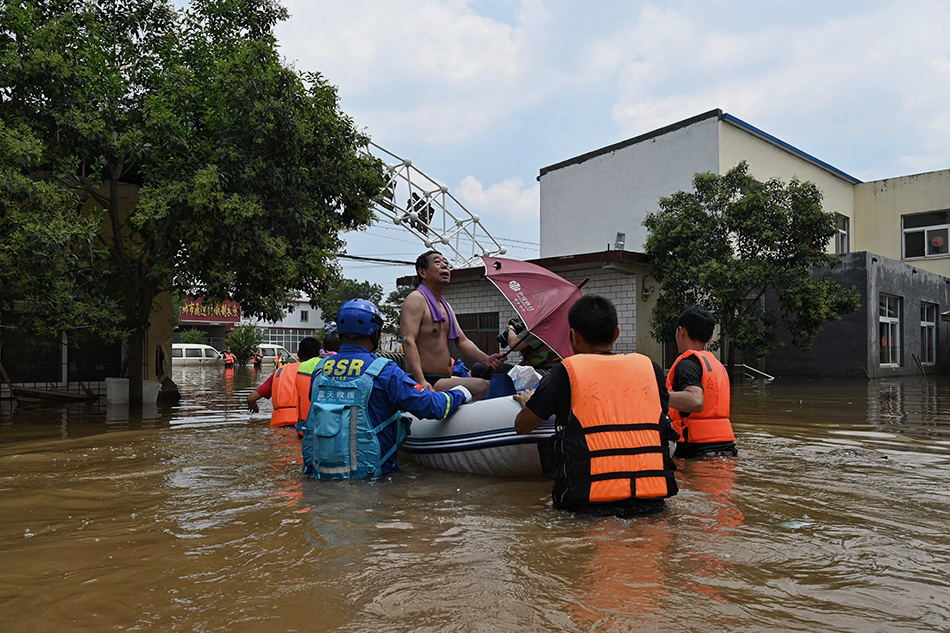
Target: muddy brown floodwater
(195,517)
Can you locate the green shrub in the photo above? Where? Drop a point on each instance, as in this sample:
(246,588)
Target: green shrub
(194,336)
(243,341)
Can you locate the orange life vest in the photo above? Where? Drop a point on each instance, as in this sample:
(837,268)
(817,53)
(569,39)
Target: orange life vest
(285,396)
(712,423)
(613,447)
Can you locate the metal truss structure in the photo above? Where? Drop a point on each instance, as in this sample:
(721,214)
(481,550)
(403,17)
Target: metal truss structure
(427,210)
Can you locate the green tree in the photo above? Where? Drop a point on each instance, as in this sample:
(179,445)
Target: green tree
(732,241)
(195,336)
(51,264)
(344,290)
(243,341)
(392,310)
(203,162)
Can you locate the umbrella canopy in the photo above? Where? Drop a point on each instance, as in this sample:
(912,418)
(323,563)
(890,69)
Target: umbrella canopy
(540,297)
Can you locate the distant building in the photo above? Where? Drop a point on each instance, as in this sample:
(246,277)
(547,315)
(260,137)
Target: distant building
(301,321)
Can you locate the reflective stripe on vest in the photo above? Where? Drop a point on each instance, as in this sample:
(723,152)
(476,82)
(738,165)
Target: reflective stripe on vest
(284,396)
(612,447)
(712,423)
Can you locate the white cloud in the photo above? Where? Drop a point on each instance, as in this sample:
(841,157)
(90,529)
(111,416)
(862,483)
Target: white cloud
(509,200)
(437,73)
(885,69)
(416,68)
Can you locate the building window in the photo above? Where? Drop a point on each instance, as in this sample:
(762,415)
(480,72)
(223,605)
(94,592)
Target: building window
(842,234)
(925,234)
(928,333)
(304,316)
(889,319)
(481,329)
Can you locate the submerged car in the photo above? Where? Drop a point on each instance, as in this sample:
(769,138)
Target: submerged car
(270,350)
(195,354)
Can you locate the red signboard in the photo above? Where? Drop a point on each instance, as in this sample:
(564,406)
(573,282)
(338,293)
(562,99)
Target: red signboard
(197,311)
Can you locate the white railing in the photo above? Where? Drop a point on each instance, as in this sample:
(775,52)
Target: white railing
(752,372)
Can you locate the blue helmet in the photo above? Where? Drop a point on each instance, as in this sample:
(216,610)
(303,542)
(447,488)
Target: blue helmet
(330,331)
(358,316)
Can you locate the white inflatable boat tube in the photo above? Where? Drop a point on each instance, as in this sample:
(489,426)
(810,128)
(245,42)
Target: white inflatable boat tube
(478,438)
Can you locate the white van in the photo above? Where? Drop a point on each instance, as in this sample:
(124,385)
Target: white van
(270,350)
(194,354)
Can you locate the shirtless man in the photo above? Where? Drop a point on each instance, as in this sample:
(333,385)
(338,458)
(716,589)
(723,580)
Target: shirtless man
(427,326)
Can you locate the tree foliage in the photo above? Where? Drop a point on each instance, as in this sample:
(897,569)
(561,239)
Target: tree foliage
(732,241)
(194,336)
(169,150)
(344,290)
(392,310)
(243,341)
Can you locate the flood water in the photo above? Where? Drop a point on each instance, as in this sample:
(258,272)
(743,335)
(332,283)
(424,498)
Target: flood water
(195,517)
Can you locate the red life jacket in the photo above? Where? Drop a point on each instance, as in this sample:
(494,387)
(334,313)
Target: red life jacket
(613,446)
(712,423)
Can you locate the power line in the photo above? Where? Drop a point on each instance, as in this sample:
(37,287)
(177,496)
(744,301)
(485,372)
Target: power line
(376,259)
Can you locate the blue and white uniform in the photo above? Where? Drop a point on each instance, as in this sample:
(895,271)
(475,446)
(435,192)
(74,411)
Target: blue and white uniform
(393,390)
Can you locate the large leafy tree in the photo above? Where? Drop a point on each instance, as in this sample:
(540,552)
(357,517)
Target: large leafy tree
(734,241)
(202,162)
(344,290)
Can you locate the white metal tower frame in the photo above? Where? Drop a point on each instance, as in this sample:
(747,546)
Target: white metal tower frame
(432,214)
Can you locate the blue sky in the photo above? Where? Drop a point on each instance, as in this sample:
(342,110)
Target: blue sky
(482,94)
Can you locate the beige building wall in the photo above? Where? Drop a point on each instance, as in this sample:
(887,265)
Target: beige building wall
(879,205)
(768,160)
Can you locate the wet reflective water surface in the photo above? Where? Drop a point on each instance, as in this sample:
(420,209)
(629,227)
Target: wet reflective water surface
(195,517)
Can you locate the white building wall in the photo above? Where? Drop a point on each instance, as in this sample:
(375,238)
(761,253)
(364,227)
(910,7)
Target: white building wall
(585,204)
(292,320)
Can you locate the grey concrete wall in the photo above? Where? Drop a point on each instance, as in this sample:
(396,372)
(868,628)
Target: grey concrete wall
(851,347)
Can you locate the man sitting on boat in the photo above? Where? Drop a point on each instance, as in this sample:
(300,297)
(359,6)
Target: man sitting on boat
(699,391)
(354,425)
(609,454)
(428,324)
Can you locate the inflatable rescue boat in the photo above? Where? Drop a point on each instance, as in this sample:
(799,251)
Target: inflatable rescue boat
(478,438)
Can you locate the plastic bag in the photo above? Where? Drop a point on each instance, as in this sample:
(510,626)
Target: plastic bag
(524,377)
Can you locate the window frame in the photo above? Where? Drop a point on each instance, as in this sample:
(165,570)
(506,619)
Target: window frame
(888,306)
(942,232)
(842,234)
(484,333)
(928,332)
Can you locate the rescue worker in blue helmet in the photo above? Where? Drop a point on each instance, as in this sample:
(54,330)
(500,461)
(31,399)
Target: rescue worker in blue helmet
(354,426)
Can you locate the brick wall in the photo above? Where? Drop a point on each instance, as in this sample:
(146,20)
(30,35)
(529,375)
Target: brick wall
(476,296)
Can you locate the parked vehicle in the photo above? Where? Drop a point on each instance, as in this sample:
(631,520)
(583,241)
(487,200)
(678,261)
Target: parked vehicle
(270,350)
(195,354)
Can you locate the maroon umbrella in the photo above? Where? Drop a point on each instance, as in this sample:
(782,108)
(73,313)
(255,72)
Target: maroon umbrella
(540,297)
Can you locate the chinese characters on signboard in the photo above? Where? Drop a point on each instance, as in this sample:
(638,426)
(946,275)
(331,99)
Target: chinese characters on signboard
(196,311)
